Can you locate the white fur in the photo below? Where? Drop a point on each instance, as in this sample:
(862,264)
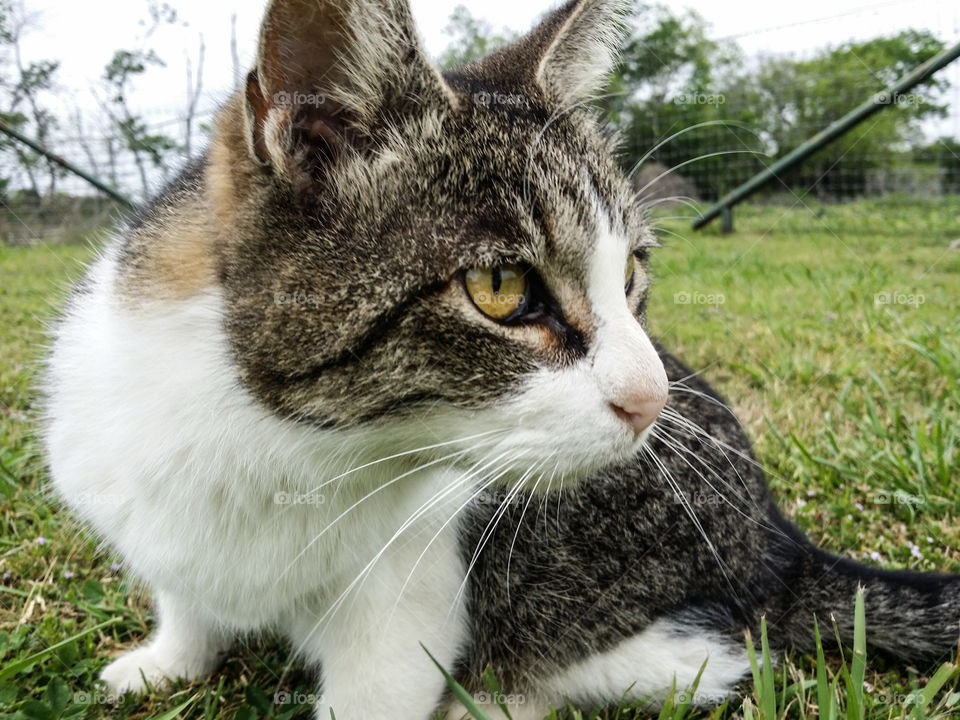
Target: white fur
(625,363)
(664,657)
(646,665)
(152,440)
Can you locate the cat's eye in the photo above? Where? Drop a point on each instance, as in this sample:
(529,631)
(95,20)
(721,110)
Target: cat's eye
(498,291)
(628,275)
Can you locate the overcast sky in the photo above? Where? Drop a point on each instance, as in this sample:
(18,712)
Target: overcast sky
(84,35)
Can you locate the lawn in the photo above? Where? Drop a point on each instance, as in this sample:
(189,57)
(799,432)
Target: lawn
(833,330)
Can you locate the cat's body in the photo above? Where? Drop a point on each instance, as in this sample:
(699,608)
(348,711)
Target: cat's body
(282,398)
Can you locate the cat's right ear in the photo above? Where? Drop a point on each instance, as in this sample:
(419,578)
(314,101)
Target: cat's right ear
(328,73)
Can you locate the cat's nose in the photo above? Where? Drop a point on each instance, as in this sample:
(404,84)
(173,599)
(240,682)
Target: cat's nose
(639,413)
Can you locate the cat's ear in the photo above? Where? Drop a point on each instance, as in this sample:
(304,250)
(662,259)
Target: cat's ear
(328,72)
(577,46)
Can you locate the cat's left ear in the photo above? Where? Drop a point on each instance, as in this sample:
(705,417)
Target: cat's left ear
(330,76)
(578,47)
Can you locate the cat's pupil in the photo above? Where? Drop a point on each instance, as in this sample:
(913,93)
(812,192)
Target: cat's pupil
(496,280)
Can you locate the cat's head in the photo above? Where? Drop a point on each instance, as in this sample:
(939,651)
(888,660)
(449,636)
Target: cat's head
(454,260)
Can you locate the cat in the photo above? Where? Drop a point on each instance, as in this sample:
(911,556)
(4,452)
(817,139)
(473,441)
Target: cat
(374,373)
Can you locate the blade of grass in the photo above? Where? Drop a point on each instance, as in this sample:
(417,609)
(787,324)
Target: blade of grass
(824,695)
(926,696)
(858,662)
(490,680)
(170,714)
(763,680)
(18,665)
(458,690)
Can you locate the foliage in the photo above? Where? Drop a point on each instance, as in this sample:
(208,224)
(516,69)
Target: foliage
(678,80)
(123,68)
(26,87)
(471,39)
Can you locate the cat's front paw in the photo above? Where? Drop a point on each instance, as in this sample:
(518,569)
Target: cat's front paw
(132,671)
(148,665)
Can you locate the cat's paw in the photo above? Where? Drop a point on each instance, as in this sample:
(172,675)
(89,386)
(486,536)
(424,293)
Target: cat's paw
(129,672)
(147,665)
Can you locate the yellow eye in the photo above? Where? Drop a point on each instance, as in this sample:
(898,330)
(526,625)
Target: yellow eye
(628,276)
(497,290)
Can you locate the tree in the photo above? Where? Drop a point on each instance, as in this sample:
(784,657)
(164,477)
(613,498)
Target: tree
(25,107)
(137,138)
(194,90)
(795,99)
(471,39)
(673,80)
(669,90)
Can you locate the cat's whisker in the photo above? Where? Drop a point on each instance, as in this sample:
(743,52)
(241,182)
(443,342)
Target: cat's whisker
(676,235)
(490,528)
(672,217)
(683,453)
(479,491)
(672,415)
(405,453)
(531,493)
(706,156)
(694,431)
(692,374)
(367,569)
(366,497)
(546,494)
(688,509)
(700,435)
(681,386)
(682,199)
(706,123)
(674,446)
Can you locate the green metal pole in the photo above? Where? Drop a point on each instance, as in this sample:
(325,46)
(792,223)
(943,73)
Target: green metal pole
(37,147)
(876,103)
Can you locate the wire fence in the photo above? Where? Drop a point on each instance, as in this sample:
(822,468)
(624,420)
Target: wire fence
(694,144)
(704,157)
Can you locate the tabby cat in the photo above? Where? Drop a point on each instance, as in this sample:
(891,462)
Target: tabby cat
(373,373)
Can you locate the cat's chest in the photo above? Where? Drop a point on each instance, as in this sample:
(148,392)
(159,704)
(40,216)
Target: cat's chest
(296,545)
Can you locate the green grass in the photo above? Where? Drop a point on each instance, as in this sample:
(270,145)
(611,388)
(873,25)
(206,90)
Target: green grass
(853,404)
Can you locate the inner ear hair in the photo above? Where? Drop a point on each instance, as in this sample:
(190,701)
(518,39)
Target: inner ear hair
(327,73)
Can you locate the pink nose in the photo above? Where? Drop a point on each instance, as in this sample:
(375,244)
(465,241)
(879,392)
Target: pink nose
(639,414)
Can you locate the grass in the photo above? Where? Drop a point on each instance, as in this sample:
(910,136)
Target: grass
(834,332)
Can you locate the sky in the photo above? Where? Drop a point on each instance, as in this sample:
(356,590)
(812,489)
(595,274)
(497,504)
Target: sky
(84,35)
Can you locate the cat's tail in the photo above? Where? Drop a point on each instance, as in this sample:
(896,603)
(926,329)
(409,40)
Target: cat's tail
(912,615)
